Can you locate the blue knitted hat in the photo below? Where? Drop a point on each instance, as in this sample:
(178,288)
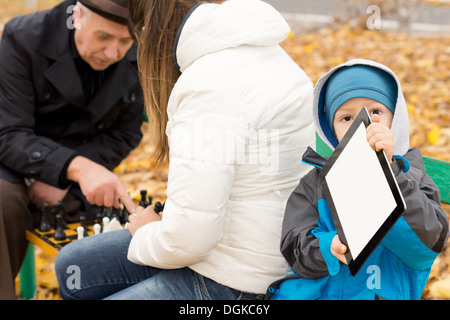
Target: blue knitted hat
(359,81)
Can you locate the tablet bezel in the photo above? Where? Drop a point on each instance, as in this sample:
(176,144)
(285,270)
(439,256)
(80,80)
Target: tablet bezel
(355,263)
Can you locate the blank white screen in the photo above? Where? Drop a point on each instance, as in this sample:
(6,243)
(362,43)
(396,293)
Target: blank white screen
(360,192)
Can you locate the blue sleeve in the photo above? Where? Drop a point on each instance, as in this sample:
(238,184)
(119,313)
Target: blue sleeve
(403,242)
(421,233)
(333,263)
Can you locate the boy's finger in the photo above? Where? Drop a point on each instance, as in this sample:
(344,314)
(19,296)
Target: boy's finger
(376,144)
(376,118)
(338,247)
(380,145)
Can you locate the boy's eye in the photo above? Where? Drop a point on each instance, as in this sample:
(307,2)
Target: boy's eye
(376,112)
(347,119)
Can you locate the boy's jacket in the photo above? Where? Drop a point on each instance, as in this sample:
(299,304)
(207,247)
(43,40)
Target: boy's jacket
(399,267)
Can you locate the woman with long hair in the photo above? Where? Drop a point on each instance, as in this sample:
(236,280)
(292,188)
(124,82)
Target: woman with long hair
(232,114)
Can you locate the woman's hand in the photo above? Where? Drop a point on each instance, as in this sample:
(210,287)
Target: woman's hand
(141,218)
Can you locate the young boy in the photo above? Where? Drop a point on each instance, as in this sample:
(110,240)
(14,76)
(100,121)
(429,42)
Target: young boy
(399,267)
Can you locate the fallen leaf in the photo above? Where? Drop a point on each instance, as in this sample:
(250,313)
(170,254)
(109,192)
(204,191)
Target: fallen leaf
(441,289)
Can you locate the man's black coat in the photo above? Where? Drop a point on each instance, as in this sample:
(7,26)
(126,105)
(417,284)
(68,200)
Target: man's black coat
(44,119)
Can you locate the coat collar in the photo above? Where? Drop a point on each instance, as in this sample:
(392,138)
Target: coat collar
(55,45)
(312,158)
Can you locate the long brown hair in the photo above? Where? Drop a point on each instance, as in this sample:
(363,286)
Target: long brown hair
(154,25)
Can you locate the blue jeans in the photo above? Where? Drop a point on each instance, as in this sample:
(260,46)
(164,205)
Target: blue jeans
(97,267)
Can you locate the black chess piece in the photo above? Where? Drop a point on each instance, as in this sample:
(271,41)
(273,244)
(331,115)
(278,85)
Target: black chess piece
(60,234)
(107,212)
(45,223)
(159,207)
(143,202)
(117,212)
(121,213)
(99,220)
(125,215)
(59,209)
(83,224)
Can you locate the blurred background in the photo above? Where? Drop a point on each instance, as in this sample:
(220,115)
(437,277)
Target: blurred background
(412,37)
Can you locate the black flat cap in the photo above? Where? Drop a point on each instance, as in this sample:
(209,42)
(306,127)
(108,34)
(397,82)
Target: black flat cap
(114,10)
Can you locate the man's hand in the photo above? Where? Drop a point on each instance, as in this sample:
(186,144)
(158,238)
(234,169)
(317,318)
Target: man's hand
(141,218)
(100,186)
(338,249)
(40,193)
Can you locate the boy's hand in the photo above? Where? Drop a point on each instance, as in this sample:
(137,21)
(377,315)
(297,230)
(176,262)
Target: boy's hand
(380,137)
(338,249)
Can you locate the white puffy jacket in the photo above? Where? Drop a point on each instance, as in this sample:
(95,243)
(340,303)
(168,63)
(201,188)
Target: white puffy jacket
(240,118)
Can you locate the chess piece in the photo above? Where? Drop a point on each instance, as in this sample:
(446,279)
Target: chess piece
(113,225)
(107,212)
(59,209)
(80,232)
(45,223)
(97,228)
(116,213)
(159,207)
(83,224)
(143,203)
(124,214)
(99,220)
(60,234)
(105,221)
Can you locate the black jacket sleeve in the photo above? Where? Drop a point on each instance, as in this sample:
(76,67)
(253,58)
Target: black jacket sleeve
(110,146)
(21,150)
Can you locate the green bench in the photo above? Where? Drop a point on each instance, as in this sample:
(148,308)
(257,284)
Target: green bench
(438,170)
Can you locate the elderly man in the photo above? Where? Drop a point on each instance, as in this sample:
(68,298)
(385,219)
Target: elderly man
(70,112)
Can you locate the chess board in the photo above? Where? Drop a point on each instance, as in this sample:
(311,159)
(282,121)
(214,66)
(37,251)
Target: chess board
(47,242)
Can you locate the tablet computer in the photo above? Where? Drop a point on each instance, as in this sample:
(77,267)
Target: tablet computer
(362,193)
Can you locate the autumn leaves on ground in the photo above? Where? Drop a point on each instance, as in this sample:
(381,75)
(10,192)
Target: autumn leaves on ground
(422,65)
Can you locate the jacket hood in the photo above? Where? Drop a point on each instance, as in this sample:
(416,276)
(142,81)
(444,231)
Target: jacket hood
(400,123)
(211,27)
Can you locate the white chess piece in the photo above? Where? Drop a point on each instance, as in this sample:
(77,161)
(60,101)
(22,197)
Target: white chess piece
(80,231)
(97,228)
(105,221)
(113,225)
